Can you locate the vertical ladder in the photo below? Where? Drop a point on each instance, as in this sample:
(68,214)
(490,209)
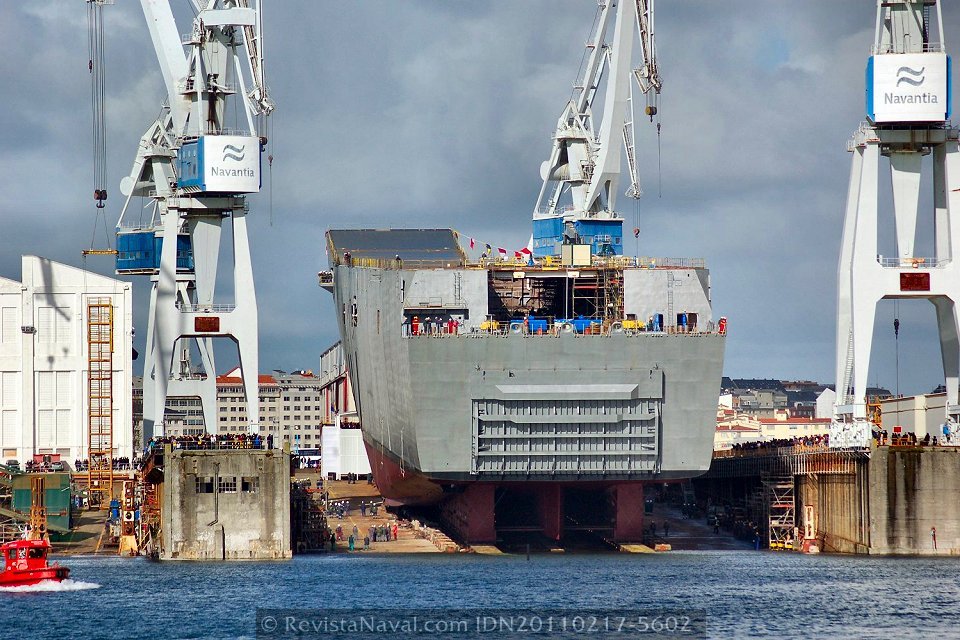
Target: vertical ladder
(38,507)
(843,391)
(670,319)
(100,400)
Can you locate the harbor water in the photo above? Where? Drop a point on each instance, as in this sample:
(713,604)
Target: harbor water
(743,594)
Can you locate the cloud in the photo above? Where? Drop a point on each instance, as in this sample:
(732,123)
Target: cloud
(439,114)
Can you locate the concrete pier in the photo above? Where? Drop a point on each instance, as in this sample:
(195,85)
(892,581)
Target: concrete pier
(888,500)
(225,505)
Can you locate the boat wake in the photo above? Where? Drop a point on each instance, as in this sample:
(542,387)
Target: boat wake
(49,586)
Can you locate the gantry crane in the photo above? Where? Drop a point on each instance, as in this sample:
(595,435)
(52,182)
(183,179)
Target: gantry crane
(908,111)
(195,164)
(584,164)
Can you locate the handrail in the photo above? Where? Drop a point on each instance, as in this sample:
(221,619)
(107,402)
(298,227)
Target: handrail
(926,47)
(523,264)
(913,263)
(205,308)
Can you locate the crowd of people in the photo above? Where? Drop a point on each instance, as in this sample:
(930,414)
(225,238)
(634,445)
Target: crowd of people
(375,533)
(883,439)
(212,441)
(122,463)
(821,441)
(431,326)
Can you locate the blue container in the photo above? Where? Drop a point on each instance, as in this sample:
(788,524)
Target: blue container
(580,323)
(537,324)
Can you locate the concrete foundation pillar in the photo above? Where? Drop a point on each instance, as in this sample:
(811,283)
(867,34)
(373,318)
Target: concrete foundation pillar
(478,503)
(551,511)
(628,501)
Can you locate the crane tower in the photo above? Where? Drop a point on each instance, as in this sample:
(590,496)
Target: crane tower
(194,167)
(908,110)
(577,202)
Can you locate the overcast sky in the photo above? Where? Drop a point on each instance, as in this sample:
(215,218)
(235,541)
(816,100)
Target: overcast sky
(438,113)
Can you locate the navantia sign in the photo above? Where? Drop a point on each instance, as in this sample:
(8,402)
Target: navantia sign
(908,87)
(222,164)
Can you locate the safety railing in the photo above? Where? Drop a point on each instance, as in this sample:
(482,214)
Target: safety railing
(205,308)
(523,263)
(554,331)
(913,263)
(925,47)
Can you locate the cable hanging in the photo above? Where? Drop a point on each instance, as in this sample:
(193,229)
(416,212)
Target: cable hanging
(95,67)
(896,340)
(97,90)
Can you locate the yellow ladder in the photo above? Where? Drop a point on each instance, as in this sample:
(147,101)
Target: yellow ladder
(100,400)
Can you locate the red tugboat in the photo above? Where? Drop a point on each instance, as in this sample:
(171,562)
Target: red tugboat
(25,563)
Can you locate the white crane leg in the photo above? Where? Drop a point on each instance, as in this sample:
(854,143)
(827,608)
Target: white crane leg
(245,313)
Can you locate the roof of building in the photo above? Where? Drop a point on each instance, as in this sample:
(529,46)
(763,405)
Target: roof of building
(794,420)
(233,377)
(736,427)
(743,384)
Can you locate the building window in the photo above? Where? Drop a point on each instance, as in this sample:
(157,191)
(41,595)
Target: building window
(204,484)
(228,484)
(250,485)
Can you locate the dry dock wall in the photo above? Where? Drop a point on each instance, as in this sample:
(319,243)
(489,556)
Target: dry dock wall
(841,509)
(226,505)
(913,491)
(890,506)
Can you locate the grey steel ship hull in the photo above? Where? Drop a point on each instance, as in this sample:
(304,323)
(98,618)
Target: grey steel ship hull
(464,405)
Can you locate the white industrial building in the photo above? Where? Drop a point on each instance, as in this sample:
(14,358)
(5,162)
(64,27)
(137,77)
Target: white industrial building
(44,395)
(342,451)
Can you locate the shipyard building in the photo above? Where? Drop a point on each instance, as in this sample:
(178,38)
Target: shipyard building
(57,324)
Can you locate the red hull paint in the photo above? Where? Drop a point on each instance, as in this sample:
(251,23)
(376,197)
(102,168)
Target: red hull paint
(401,486)
(14,578)
(470,511)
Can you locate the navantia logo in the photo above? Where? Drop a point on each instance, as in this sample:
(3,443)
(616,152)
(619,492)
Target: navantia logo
(237,154)
(910,76)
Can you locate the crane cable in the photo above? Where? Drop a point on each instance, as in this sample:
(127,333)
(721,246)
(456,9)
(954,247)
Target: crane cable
(896,340)
(95,67)
(271,141)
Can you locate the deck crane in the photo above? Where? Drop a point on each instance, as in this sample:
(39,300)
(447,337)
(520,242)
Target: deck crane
(584,164)
(908,112)
(194,166)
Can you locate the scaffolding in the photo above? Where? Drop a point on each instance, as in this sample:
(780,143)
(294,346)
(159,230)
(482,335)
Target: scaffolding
(100,475)
(781,511)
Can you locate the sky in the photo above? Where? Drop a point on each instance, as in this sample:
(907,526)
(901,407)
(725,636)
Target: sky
(438,113)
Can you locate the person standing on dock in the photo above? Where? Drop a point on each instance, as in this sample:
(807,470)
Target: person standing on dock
(395,530)
(350,542)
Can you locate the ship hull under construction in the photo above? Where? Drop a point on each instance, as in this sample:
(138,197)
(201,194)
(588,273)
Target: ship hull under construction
(531,424)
